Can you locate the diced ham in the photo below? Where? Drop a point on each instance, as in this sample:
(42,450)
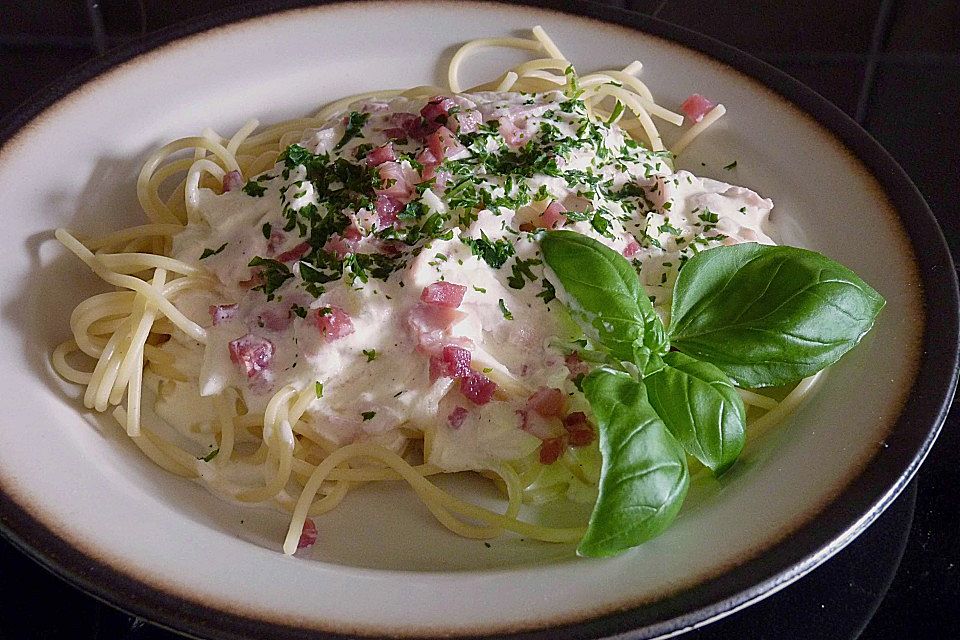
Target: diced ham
(255,280)
(456,417)
(552,216)
(443,143)
(431,317)
(576,365)
(429,162)
(477,388)
(222,312)
(551,450)
(308,535)
(251,353)
(294,254)
(387,209)
(443,294)
(453,362)
(696,106)
(535,424)
(579,430)
(340,245)
(441,178)
(514,132)
(334,323)
(468,121)
(632,248)
(397,181)
(380,155)
(405,125)
(549,403)
(437,110)
(232,180)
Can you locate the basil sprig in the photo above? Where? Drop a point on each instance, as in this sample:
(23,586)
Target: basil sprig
(750,314)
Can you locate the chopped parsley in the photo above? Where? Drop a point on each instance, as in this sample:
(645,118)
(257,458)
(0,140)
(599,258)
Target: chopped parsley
(318,389)
(272,275)
(494,254)
(503,309)
(731,166)
(355,122)
(371,354)
(210,456)
(210,252)
(254,189)
(368,415)
(266,230)
(520,273)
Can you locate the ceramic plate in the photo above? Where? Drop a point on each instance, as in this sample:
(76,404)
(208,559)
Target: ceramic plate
(78,496)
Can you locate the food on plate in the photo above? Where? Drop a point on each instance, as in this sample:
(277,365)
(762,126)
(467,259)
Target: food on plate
(511,280)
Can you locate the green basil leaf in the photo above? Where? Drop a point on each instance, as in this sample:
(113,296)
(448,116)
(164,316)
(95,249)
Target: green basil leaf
(769,315)
(643,478)
(609,299)
(701,408)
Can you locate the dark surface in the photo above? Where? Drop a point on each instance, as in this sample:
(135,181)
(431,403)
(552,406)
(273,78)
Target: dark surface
(893,65)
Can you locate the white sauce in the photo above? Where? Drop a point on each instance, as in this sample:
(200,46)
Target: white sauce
(366,397)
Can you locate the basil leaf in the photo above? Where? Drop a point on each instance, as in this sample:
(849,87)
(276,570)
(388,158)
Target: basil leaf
(612,303)
(643,478)
(700,407)
(769,315)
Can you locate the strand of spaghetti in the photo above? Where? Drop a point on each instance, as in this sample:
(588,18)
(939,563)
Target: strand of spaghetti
(62,367)
(632,101)
(191,191)
(756,400)
(92,397)
(133,358)
(691,134)
(242,134)
(339,105)
(183,323)
(277,430)
(642,94)
(132,233)
(787,406)
(134,390)
(423,487)
(93,309)
(453,71)
(227,430)
(541,63)
(508,81)
(272,134)
(362,474)
(329,502)
(548,45)
(151,203)
(153,452)
(174,202)
(127,263)
(262,162)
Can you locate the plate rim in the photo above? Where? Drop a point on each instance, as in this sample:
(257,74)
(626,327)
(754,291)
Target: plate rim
(836,524)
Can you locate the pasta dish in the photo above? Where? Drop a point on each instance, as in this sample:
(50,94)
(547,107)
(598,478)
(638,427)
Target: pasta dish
(506,279)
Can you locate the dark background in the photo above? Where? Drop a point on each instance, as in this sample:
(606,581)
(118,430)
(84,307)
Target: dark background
(892,65)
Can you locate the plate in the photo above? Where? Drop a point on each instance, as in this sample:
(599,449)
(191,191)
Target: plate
(76,494)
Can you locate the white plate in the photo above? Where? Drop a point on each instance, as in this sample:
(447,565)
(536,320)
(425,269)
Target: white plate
(76,494)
